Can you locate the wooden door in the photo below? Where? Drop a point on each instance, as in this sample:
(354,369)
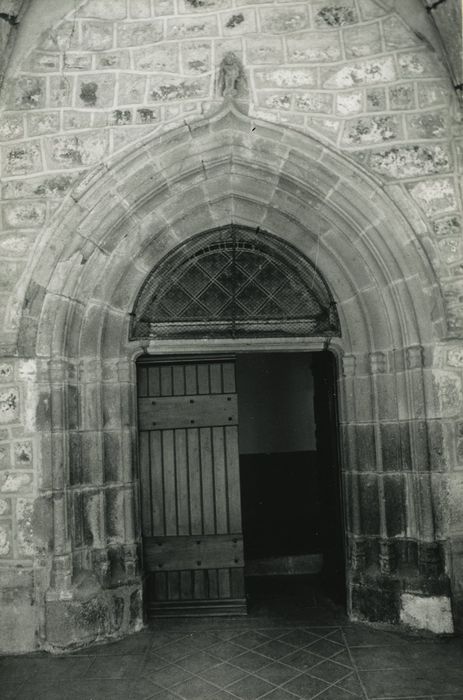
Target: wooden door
(190,490)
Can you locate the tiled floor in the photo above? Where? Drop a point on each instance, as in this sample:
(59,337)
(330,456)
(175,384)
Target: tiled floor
(305,652)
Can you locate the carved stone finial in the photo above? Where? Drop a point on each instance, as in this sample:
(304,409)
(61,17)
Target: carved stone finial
(231,79)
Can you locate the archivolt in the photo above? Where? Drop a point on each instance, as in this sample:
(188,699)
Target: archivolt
(128,213)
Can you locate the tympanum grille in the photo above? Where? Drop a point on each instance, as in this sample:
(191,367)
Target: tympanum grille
(234,282)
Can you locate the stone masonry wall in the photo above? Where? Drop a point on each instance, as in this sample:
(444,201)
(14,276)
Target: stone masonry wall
(351,73)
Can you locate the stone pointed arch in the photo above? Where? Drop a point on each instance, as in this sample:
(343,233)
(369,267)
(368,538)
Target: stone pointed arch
(122,219)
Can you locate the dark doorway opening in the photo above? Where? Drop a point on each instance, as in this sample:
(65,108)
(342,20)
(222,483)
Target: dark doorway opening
(290,483)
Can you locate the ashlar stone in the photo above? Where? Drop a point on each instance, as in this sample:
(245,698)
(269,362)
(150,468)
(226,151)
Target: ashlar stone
(39,123)
(238,23)
(362,40)
(97,36)
(102,9)
(448,226)
(22,158)
(189,6)
(334,14)
(285,78)
(168,88)
(408,161)
(275,20)
(368,130)
(24,518)
(15,245)
(16,482)
(375,99)
(132,89)
(113,60)
(140,9)
(77,61)
(11,126)
(9,403)
(435,196)
(179,28)
(402,96)
(76,119)
(40,62)
(29,92)
(378,70)
(314,47)
(50,186)
(25,214)
(60,90)
(264,50)
(418,64)
(196,57)
(314,102)
(348,103)
(450,250)
(95,90)
(5,507)
(432,93)
(430,125)
(81,149)
(5,540)
(159,58)
(397,35)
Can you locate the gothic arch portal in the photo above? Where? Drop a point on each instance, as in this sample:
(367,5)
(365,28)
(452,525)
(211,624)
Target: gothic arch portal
(119,222)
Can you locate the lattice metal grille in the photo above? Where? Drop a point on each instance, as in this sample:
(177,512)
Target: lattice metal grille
(234,282)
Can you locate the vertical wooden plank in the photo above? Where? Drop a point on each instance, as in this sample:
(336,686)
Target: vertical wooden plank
(237,583)
(200,584)
(194,482)
(166,380)
(145,483)
(223,579)
(233,477)
(183,495)
(170,486)
(191,383)
(186,585)
(207,481)
(157,484)
(179,380)
(215,373)
(160,586)
(142,380)
(154,385)
(213,584)
(228,374)
(173,585)
(220,490)
(203,378)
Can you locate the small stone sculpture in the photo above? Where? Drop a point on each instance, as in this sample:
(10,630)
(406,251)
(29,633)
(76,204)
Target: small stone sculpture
(231,79)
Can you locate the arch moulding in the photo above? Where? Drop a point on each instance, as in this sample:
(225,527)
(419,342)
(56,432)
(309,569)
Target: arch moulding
(116,224)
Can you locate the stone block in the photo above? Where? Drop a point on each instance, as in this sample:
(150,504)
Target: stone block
(314,102)
(139,33)
(370,130)
(362,40)
(238,23)
(11,126)
(132,89)
(60,38)
(82,149)
(348,103)
(160,58)
(60,90)
(419,64)
(93,525)
(402,96)
(5,456)
(40,62)
(9,405)
(196,57)
(191,28)
(334,14)
(101,9)
(95,90)
(375,99)
(395,499)
(397,35)
(376,603)
(435,196)
(140,9)
(285,78)
(113,60)
(76,120)
(369,504)
(50,186)
(18,214)
(448,226)
(279,20)
(5,507)
(114,515)
(16,244)
(264,50)
(308,48)
(22,158)
(171,88)
(16,482)
(18,618)
(433,93)
(77,61)
(378,70)
(365,447)
(407,161)
(6,539)
(395,446)
(96,36)
(430,125)
(28,92)
(42,123)
(190,6)
(112,456)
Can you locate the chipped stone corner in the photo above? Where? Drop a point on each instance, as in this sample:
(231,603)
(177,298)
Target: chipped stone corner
(431,613)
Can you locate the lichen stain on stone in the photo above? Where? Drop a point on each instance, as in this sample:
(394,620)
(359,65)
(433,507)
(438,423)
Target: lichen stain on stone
(4,542)
(407,161)
(335,15)
(235,20)
(88,93)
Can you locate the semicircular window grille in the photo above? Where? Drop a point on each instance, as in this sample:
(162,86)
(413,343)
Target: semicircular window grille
(234,282)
